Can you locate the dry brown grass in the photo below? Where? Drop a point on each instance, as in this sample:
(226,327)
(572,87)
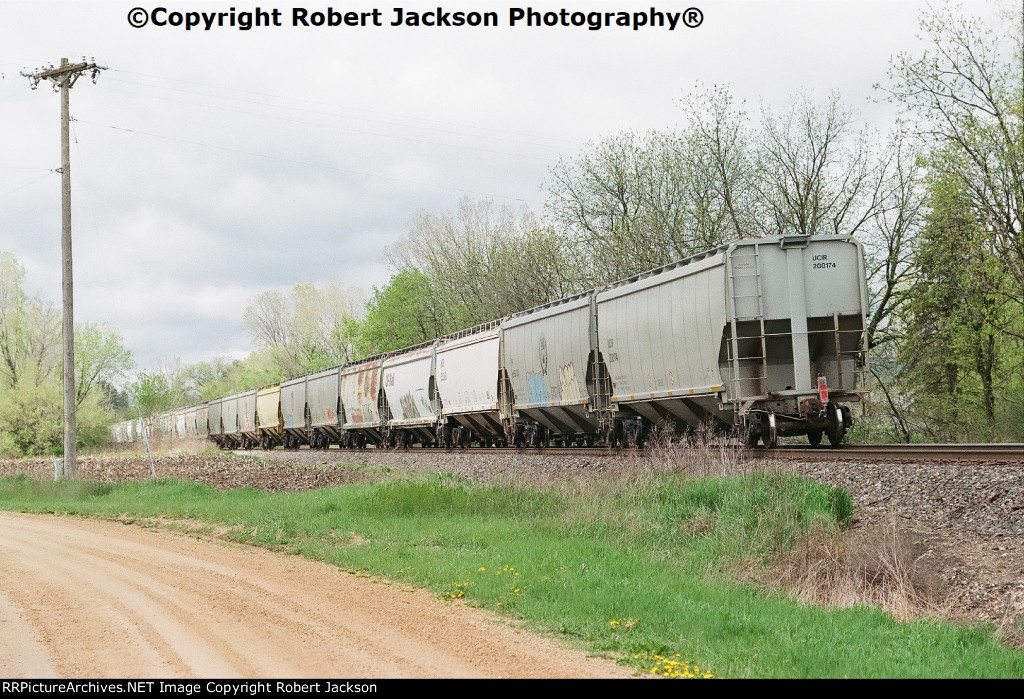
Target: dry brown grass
(163,446)
(704,452)
(878,564)
(875,564)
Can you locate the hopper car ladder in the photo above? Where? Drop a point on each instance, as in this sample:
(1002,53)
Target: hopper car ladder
(760,382)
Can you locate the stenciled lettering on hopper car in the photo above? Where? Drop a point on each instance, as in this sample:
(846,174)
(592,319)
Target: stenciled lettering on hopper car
(821,262)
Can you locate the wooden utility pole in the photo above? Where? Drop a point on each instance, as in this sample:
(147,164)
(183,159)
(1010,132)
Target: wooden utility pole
(63,79)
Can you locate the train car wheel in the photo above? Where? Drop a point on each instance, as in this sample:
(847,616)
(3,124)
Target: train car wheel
(814,438)
(769,433)
(836,429)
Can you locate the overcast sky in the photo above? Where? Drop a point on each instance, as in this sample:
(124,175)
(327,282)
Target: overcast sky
(210,166)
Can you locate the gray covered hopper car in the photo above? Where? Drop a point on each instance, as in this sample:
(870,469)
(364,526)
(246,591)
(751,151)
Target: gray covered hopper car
(407,379)
(293,412)
(231,438)
(215,420)
(549,356)
(323,402)
(763,337)
(468,374)
(765,333)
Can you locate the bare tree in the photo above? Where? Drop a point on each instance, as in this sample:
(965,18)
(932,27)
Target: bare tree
(466,255)
(964,92)
(890,233)
(266,317)
(305,330)
(718,166)
(618,203)
(815,173)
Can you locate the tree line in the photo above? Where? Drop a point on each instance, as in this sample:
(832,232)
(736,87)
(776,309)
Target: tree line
(937,202)
(32,372)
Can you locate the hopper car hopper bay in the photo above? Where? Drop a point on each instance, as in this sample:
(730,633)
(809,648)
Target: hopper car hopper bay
(760,338)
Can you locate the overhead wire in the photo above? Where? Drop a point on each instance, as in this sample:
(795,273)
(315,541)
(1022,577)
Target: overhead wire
(291,101)
(5,192)
(84,183)
(342,128)
(300,162)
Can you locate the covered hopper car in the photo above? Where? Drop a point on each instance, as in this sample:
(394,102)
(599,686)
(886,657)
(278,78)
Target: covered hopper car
(763,338)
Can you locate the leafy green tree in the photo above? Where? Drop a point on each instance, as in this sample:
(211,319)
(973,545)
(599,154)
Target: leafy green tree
(151,394)
(399,315)
(31,391)
(31,418)
(261,368)
(959,366)
(100,359)
(30,334)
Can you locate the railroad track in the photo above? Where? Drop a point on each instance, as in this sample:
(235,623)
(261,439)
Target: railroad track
(998,453)
(989,453)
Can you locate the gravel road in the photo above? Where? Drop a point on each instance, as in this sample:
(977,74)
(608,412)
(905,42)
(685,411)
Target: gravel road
(99,599)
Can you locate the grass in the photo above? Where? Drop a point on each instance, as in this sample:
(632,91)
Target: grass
(641,567)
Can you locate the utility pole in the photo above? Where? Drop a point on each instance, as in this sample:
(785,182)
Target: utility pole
(63,80)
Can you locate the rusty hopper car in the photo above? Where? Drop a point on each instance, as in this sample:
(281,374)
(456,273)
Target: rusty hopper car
(365,407)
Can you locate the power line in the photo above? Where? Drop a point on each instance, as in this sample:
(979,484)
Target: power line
(411,139)
(292,100)
(299,162)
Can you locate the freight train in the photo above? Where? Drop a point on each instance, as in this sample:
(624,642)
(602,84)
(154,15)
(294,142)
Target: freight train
(762,338)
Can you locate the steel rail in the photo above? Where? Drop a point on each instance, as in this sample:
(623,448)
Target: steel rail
(1012,453)
(999,453)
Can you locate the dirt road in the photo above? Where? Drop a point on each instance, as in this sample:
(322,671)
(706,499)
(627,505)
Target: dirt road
(96,599)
